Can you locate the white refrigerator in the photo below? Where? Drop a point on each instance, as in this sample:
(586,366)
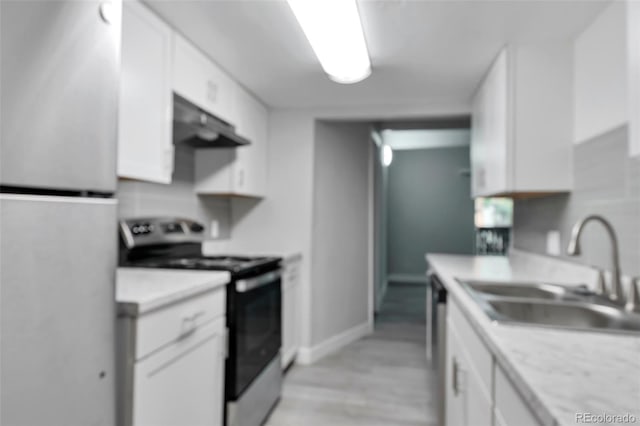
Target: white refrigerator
(59,70)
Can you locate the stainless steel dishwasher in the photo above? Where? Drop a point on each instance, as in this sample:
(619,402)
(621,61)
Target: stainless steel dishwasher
(437,336)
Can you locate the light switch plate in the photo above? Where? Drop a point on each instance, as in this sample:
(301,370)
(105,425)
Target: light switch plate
(553,243)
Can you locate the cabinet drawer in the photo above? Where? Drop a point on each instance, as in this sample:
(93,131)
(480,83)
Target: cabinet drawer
(183,383)
(510,408)
(163,326)
(480,357)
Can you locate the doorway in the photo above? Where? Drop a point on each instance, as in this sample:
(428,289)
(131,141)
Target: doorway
(422,199)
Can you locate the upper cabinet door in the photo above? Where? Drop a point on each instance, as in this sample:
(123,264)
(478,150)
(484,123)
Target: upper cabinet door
(145,126)
(490,131)
(238,171)
(521,123)
(197,79)
(253,124)
(59,79)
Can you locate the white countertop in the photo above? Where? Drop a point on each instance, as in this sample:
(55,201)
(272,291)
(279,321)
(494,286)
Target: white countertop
(224,247)
(558,372)
(140,290)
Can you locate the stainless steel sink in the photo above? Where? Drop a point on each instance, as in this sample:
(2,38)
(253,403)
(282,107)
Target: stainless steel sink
(530,290)
(551,305)
(578,315)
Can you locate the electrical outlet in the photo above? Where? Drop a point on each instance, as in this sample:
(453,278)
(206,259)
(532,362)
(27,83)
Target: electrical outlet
(214,229)
(553,243)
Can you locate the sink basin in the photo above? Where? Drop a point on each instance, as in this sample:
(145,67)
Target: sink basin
(573,315)
(529,290)
(551,305)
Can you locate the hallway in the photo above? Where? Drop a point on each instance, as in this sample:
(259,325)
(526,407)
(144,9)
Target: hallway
(380,380)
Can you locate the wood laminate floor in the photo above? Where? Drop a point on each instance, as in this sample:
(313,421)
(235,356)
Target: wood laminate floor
(380,380)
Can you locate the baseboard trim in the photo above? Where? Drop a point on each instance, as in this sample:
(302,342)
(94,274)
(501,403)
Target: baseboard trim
(407,278)
(309,355)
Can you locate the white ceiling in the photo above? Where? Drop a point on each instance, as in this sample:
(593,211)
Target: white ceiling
(422,51)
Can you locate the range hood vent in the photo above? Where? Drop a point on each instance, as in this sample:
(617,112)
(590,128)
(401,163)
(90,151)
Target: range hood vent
(197,128)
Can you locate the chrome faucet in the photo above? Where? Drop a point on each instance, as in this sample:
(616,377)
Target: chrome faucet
(616,293)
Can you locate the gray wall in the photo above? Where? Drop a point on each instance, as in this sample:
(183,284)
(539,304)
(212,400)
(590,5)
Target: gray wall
(607,182)
(340,240)
(380,207)
(430,209)
(138,198)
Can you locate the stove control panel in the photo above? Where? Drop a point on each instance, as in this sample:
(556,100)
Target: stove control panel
(143,228)
(160,230)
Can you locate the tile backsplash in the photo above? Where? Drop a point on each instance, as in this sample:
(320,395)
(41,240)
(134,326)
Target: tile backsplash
(137,198)
(606,182)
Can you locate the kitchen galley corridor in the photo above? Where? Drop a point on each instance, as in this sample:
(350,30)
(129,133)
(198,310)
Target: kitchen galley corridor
(380,380)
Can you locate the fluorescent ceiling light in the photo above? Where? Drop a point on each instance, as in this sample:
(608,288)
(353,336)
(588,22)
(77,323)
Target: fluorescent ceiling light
(334,31)
(387,155)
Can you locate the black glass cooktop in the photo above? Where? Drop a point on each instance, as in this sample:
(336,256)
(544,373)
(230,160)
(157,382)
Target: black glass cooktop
(236,264)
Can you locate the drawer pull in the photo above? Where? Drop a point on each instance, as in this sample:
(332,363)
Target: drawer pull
(189,324)
(457,378)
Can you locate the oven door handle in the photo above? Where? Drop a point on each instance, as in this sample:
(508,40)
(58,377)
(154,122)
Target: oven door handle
(242,286)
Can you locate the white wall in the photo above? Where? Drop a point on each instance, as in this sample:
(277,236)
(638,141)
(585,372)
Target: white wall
(600,67)
(340,240)
(380,220)
(282,222)
(633,52)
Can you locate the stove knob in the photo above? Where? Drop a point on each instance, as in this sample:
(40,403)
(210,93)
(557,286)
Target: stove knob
(196,227)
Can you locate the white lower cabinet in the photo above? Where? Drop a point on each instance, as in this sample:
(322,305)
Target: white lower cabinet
(468,400)
(290,312)
(171,364)
(510,409)
(478,393)
(183,384)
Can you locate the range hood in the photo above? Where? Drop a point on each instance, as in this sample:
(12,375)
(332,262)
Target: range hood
(197,128)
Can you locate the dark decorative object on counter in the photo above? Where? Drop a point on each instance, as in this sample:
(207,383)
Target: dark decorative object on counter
(493,241)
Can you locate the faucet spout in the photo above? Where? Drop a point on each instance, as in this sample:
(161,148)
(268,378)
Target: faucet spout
(616,292)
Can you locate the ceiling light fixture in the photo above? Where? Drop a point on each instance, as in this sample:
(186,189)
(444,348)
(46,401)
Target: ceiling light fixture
(387,155)
(334,30)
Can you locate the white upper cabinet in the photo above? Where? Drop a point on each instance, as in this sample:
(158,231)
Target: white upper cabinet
(489,130)
(521,137)
(237,171)
(200,81)
(145,148)
(600,69)
(253,124)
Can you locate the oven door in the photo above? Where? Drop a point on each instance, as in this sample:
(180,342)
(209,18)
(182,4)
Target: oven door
(256,331)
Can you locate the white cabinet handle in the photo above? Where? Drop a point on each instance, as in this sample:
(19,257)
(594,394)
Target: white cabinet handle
(457,377)
(189,325)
